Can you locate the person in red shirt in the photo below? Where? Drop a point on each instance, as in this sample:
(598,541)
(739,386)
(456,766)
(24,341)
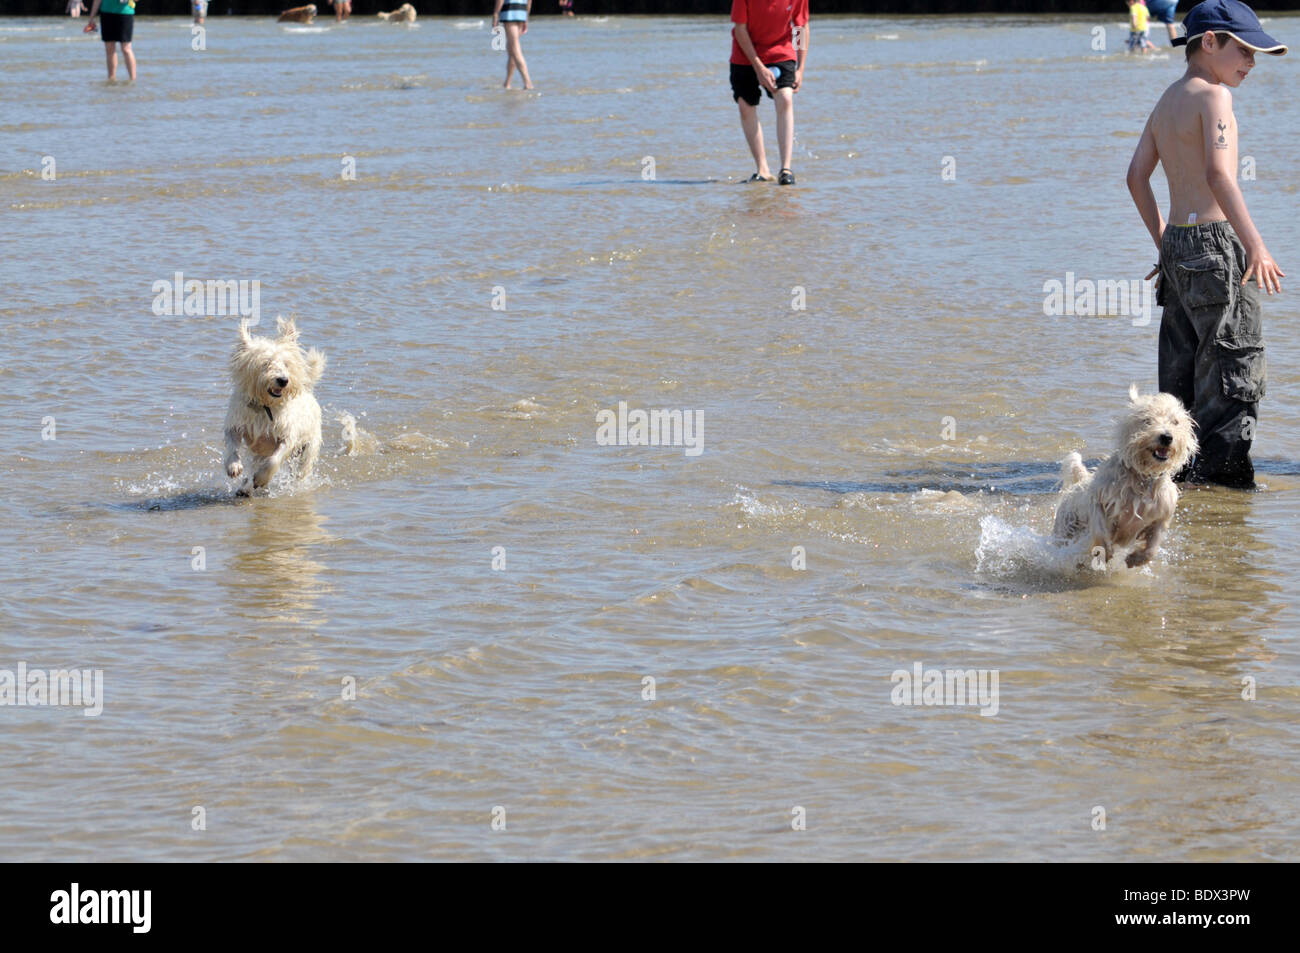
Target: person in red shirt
(769,44)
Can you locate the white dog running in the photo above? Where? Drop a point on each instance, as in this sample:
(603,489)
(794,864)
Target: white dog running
(272,411)
(1129,500)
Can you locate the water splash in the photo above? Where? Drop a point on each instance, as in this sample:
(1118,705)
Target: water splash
(1018,552)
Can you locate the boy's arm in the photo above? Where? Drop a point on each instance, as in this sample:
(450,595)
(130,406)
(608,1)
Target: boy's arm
(496,13)
(1140,169)
(765,77)
(1219,130)
(801,54)
(94,12)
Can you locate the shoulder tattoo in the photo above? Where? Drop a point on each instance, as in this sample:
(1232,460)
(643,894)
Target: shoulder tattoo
(1222,141)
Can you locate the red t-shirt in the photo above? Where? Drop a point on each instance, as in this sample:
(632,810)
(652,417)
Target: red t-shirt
(769,23)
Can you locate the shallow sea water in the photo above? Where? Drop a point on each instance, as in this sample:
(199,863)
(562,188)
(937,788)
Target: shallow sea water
(902,429)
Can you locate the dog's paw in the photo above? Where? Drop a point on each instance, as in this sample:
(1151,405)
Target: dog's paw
(233,469)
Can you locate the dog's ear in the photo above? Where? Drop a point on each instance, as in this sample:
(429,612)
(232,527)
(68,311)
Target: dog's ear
(1133,395)
(288,330)
(245,339)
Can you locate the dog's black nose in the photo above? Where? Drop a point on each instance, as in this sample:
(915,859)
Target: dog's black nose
(284,382)
(1166,439)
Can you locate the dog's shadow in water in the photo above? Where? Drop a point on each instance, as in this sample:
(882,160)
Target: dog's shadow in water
(1015,477)
(1018,478)
(189,500)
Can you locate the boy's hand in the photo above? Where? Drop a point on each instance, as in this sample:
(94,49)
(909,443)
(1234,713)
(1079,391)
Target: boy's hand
(90,27)
(1261,266)
(798,78)
(1158,275)
(765,78)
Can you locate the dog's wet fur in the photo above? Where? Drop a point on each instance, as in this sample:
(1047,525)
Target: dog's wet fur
(273,415)
(1128,502)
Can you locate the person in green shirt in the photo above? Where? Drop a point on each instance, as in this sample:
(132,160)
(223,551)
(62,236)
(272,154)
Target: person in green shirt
(118,25)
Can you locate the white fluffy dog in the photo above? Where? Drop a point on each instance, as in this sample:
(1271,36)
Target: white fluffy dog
(1129,501)
(403,14)
(272,412)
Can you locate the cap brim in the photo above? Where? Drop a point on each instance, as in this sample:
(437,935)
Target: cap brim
(1259,41)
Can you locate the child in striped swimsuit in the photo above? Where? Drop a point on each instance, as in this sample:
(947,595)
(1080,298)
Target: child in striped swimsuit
(512,17)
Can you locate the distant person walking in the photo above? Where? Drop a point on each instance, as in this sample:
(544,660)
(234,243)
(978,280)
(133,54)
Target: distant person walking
(1137,27)
(76,8)
(768,47)
(1164,12)
(342,9)
(512,16)
(116,29)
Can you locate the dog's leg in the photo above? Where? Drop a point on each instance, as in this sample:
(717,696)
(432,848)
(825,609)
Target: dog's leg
(233,467)
(267,467)
(1102,546)
(1099,553)
(310,451)
(1151,537)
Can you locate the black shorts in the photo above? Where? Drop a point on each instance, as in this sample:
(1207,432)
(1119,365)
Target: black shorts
(744,81)
(116,27)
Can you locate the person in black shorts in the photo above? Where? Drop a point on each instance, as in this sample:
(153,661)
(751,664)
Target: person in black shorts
(769,47)
(744,81)
(116,30)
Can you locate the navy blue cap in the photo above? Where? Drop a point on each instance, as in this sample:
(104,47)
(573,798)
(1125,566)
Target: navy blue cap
(1231,17)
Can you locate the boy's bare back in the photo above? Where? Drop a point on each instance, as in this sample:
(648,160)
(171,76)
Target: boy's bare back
(1190,115)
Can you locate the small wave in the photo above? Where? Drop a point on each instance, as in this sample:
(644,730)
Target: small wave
(355,441)
(522,409)
(416,442)
(753,507)
(941,500)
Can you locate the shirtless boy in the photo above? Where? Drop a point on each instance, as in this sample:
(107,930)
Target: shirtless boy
(1211,344)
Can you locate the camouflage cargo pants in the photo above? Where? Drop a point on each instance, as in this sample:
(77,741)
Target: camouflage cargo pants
(1212,347)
